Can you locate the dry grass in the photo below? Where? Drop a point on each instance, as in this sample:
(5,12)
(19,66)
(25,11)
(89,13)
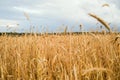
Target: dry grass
(55,57)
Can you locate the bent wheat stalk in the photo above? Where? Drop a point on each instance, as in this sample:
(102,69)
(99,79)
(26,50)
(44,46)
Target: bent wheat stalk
(116,38)
(101,21)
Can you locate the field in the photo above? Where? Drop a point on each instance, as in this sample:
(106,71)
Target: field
(60,57)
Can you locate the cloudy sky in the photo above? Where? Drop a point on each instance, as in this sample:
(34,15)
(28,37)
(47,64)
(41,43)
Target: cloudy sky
(55,15)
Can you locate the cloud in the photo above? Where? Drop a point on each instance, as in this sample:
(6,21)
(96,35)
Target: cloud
(56,12)
(114,2)
(71,10)
(8,23)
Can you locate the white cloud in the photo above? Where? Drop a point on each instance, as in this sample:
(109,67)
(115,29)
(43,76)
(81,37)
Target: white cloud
(73,10)
(56,12)
(8,23)
(28,10)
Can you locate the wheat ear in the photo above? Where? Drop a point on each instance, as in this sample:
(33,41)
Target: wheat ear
(101,21)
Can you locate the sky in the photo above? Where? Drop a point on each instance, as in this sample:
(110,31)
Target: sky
(56,15)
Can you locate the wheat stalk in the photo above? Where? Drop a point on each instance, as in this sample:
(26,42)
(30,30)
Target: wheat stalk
(96,69)
(116,38)
(105,5)
(101,21)
(27,16)
(65,30)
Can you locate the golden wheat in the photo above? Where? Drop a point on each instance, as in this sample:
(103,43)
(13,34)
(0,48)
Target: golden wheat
(101,21)
(54,57)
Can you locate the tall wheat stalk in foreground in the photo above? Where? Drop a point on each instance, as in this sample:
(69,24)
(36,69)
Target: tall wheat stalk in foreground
(29,20)
(101,21)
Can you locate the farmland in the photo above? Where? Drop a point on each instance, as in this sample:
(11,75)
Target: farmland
(60,57)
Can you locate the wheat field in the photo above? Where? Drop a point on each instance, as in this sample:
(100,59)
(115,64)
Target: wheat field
(60,57)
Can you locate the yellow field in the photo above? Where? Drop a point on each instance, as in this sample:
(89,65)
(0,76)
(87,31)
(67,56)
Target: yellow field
(55,57)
